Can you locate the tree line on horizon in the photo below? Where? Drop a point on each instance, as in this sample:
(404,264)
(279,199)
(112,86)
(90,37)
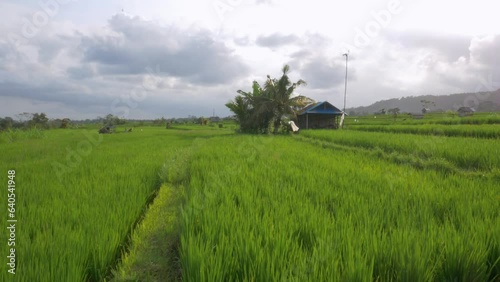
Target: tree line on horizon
(33,120)
(26,121)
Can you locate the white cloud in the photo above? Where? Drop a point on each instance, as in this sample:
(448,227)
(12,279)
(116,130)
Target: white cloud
(91,53)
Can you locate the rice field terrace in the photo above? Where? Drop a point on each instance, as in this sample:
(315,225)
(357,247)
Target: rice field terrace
(290,210)
(199,203)
(79,195)
(431,118)
(471,154)
(467,130)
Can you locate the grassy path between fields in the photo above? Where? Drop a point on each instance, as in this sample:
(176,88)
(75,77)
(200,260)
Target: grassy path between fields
(153,252)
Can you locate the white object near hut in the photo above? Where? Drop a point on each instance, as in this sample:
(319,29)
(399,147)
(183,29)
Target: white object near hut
(294,127)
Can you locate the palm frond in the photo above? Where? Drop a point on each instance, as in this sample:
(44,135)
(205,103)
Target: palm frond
(301,82)
(301,101)
(285,69)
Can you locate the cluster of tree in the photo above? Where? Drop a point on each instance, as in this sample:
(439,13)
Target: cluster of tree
(111,120)
(203,120)
(7,123)
(59,123)
(426,105)
(33,120)
(257,110)
(27,120)
(394,112)
(191,119)
(159,121)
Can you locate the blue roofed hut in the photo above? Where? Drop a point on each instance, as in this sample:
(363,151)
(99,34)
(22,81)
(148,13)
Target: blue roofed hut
(319,115)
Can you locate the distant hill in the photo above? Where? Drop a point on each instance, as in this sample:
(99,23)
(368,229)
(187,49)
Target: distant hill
(481,102)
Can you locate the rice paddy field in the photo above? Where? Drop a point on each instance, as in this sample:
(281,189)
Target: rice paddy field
(78,197)
(391,203)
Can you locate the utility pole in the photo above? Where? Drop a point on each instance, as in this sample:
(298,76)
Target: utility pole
(345,87)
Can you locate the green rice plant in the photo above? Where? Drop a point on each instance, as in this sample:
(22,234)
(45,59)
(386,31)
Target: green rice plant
(464,153)
(259,209)
(434,118)
(475,131)
(176,169)
(15,135)
(478,118)
(296,211)
(76,226)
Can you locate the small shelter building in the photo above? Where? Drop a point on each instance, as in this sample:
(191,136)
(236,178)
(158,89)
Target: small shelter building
(417,116)
(465,111)
(319,115)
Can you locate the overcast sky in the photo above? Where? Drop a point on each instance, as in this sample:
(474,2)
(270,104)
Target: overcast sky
(151,58)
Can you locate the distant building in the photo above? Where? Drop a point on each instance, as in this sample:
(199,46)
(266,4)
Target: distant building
(417,116)
(215,119)
(465,111)
(319,115)
(108,129)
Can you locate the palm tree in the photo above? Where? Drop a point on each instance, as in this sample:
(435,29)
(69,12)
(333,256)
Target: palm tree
(258,118)
(248,111)
(256,109)
(278,97)
(241,108)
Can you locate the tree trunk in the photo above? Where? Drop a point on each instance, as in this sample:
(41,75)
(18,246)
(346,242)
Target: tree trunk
(277,123)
